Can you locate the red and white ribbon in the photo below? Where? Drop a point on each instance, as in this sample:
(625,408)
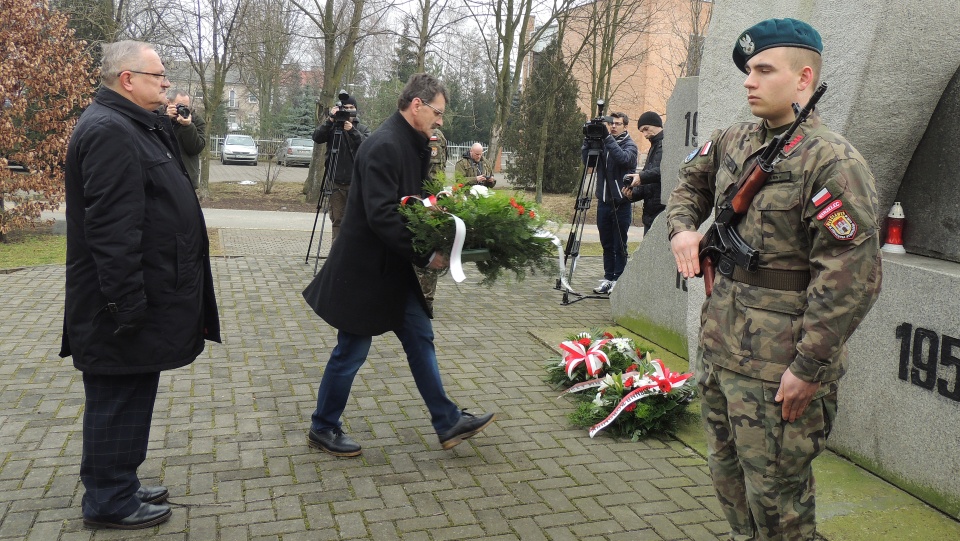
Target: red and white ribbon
(593,357)
(456,266)
(662,381)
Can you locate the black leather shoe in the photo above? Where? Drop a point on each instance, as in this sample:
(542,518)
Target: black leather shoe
(146,516)
(334,442)
(152,494)
(467,426)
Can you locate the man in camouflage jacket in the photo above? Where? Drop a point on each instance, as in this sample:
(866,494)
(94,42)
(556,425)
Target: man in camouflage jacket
(772,343)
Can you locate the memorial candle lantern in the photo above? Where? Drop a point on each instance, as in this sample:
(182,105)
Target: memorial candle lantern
(895,221)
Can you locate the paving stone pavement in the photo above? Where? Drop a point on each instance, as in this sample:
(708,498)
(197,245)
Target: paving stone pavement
(228,434)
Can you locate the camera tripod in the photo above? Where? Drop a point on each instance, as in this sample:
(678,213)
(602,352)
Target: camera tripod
(571,252)
(326,191)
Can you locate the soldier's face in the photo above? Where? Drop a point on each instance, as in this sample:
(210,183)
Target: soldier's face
(772,86)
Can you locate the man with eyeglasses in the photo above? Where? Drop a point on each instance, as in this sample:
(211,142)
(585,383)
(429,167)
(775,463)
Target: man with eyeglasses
(618,158)
(368,286)
(139,291)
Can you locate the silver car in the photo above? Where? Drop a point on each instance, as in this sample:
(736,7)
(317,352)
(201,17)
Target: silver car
(239,148)
(295,150)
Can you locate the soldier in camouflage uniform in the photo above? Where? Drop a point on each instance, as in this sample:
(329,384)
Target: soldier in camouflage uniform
(473,168)
(438,153)
(772,343)
(438,164)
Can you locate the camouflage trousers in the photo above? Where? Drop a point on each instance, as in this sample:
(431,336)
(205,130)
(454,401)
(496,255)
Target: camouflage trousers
(428,283)
(761,464)
(338,204)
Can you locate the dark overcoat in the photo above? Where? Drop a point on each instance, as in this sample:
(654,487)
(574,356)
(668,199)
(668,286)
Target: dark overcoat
(649,188)
(363,286)
(136,245)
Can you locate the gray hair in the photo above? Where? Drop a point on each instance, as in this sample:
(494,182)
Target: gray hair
(423,86)
(174,92)
(120,56)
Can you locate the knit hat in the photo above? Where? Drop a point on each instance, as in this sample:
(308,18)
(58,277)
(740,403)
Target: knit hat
(649,119)
(774,33)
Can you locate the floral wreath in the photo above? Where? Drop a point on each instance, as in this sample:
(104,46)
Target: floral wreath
(636,400)
(510,231)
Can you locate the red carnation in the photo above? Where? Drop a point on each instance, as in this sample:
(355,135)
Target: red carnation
(532,215)
(628,382)
(664,386)
(632,368)
(584,341)
(631,407)
(607,335)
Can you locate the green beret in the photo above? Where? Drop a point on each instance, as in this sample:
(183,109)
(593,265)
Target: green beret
(774,33)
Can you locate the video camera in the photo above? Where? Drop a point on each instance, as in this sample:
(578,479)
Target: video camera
(342,115)
(596,129)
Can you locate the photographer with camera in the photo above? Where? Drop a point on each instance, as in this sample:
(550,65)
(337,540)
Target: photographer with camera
(343,116)
(189,131)
(645,185)
(474,168)
(618,158)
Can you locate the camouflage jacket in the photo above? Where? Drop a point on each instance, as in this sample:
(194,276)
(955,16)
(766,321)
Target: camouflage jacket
(438,152)
(469,169)
(816,213)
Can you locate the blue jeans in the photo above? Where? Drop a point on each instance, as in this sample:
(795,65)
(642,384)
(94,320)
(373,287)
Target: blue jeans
(416,336)
(612,224)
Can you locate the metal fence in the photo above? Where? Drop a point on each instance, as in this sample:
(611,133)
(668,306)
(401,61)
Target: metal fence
(265,147)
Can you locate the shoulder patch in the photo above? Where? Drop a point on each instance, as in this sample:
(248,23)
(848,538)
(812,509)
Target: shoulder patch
(841,225)
(706,148)
(691,156)
(792,144)
(829,208)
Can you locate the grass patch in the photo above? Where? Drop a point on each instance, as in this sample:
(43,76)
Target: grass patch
(31,247)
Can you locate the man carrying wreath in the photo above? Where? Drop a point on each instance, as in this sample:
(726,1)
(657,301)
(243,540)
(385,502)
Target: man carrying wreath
(368,285)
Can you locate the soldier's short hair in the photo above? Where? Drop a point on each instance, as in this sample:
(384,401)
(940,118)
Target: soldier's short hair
(805,57)
(423,86)
(121,56)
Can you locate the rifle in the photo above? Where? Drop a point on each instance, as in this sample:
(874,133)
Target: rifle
(722,249)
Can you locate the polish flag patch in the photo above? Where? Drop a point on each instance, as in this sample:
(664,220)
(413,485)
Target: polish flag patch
(822,197)
(829,208)
(706,148)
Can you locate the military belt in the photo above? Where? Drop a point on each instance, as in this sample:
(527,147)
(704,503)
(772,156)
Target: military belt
(781,280)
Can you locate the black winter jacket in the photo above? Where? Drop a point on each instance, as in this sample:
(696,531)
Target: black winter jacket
(649,188)
(618,158)
(137,245)
(348,147)
(363,286)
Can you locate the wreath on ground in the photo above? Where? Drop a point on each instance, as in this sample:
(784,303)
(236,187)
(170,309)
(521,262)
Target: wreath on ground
(503,233)
(619,388)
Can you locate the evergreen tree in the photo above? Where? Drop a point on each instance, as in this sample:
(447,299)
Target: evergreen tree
(300,115)
(547,130)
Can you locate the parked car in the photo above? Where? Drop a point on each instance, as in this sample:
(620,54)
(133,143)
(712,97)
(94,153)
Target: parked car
(239,148)
(295,150)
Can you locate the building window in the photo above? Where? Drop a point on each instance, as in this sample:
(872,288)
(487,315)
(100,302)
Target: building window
(252,99)
(233,99)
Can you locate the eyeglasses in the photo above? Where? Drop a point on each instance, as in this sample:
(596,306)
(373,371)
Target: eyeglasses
(162,76)
(438,112)
(617,123)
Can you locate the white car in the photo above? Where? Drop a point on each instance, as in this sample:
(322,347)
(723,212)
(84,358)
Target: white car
(295,150)
(239,148)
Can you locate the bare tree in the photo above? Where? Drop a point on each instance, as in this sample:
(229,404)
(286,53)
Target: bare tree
(105,21)
(210,48)
(688,27)
(615,34)
(340,25)
(508,36)
(264,48)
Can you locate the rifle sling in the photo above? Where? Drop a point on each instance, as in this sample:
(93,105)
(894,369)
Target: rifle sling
(781,280)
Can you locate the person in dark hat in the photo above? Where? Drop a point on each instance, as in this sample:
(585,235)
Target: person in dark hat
(773,341)
(645,185)
(354,133)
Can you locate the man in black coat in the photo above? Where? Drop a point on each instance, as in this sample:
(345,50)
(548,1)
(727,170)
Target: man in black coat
(353,134)
(368,285)
(645,185)
(139,291)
